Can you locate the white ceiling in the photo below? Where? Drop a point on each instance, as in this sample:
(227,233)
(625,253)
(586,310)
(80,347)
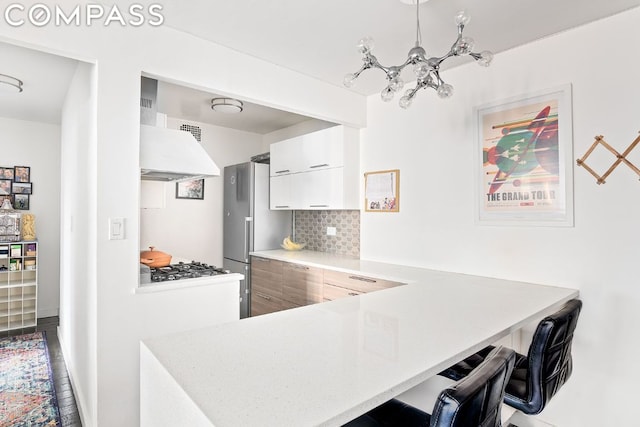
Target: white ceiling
(46,79)
(318,37)
(313,37)
(191,104)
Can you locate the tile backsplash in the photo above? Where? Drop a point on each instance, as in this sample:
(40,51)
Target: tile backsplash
(311,228)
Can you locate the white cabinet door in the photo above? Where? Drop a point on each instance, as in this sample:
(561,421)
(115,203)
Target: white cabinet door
(323,149)
(319,189)
(280,193)
(286,157)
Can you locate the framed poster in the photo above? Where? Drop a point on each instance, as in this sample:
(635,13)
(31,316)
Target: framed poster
(193,189)
(524,160)
(382,191)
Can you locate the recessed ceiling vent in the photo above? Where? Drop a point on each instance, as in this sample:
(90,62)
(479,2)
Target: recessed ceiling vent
(195,131)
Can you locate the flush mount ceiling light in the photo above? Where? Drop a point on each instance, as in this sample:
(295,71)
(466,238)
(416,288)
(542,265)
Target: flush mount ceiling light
(427,70)
(10,84)
(226,105)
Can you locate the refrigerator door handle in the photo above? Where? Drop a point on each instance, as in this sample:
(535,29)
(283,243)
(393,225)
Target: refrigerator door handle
(247,221)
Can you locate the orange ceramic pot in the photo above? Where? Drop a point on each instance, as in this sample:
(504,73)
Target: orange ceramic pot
(155,259)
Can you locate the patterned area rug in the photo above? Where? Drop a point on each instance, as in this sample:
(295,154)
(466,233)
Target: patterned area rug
(27,394)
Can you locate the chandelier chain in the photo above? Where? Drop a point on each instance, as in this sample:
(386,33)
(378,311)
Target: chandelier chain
(418,30)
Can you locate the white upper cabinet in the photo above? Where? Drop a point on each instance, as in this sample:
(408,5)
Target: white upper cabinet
(285,156)
(324,149)
(280,192)
(319,170)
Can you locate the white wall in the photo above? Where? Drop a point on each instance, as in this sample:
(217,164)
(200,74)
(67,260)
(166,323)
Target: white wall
(302,128)
(78,295)
(192,229)
(433,146)
(121,317)
(25,143)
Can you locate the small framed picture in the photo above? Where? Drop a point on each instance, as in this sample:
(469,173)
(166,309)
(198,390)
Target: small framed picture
(22,174)
(21,188)
(190,189)
(21,202)
(8,197)
(6,173)
(5,187)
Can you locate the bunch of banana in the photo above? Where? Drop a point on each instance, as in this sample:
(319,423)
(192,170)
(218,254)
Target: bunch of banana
(290,245)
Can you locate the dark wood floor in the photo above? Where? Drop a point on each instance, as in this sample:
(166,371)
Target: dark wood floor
(66,400)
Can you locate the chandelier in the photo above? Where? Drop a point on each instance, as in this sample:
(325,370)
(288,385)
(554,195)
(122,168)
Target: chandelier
(427,70)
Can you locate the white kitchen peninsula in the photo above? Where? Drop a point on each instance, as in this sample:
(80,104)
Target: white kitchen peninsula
(325,364)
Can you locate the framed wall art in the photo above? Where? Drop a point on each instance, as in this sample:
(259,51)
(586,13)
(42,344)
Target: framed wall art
(524,160)
(5,186)
(193,189)
(6,173)
(22,174)
(21,202)
(21,188)
(382,191)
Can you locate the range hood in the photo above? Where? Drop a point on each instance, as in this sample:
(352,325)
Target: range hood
(168,154)
(173,155)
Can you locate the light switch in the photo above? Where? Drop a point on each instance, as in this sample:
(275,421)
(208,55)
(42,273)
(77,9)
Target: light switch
(116,229)
(331,231)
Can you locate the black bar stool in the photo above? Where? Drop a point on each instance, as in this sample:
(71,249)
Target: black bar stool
(474,401)
(538,376)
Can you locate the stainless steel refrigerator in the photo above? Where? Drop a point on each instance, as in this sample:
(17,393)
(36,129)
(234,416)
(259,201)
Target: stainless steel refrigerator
(249,225)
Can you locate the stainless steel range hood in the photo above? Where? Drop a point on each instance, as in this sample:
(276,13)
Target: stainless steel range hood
(168,154)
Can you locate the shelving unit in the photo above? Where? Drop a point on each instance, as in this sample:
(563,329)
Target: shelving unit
(18,285)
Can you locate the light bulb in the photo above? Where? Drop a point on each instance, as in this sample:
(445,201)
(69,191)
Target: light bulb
(365,45)
(396,84)
(464,46)
(405,102)
(445,91)
(387,94)
(462,18)
(421,70)
(349,79)
(485,58)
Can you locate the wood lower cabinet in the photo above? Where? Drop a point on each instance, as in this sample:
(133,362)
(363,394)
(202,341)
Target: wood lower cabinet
(278,285)
(302,285)
(338,284)
(266,285)
(331,292)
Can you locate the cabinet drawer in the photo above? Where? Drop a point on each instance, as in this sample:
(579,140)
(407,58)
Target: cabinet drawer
(301,284)
(356,282)
(265,264)
(262,303)
(334,292)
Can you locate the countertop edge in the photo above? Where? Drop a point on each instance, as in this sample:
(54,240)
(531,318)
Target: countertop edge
(379,270)
(188,283)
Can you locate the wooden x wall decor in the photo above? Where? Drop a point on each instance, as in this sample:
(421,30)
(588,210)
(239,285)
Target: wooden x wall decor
(621,158)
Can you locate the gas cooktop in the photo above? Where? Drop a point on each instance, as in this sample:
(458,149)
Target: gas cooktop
(185,270)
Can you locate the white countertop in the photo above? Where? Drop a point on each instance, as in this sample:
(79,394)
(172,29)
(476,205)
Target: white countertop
(346,264)
(325,364)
